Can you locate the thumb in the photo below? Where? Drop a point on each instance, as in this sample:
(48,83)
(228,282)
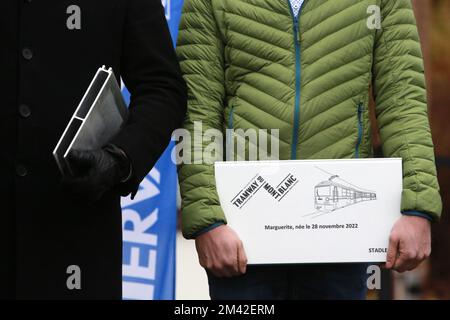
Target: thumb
(80,157)
(242,259)
(392,252)
(80,161)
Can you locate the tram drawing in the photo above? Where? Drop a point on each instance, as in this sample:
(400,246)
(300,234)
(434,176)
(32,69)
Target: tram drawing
(333,194)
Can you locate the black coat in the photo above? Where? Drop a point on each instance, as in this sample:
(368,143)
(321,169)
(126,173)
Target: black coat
(45,69)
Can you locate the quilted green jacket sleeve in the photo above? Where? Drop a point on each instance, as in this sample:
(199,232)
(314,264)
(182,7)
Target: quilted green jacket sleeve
(200,51)
(401,107)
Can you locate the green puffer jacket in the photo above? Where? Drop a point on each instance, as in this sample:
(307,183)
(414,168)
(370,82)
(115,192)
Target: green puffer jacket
(251,64)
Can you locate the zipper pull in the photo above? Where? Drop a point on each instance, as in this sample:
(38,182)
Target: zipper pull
(360,108)
(297,31)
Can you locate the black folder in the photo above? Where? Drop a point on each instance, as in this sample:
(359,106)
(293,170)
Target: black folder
(98,118)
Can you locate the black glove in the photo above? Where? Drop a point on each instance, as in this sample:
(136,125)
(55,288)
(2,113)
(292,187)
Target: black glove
(96,172)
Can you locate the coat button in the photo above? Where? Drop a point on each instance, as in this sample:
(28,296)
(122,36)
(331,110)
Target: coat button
(21,170)
(27,54)
(24,111)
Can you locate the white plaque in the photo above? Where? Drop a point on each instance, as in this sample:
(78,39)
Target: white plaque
(312,211)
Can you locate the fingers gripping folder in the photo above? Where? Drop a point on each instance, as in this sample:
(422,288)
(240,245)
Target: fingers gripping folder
(98,118)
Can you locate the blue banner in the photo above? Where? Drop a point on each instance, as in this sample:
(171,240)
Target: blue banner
(149,221)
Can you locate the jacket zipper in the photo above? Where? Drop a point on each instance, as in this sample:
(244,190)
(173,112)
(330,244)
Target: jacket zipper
(230,118)
(297,83)
(360,130)
(230,133)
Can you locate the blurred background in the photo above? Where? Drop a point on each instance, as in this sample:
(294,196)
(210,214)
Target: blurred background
(432,279)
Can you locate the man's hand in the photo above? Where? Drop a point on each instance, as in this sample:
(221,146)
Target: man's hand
(221,252)
(409,243)
(95,172)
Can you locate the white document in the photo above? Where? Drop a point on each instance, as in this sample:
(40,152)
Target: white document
(312,211)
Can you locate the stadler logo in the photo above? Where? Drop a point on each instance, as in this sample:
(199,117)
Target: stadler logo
(259,183)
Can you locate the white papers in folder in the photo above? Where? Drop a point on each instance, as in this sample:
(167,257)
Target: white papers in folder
(97,119)
(312,211)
